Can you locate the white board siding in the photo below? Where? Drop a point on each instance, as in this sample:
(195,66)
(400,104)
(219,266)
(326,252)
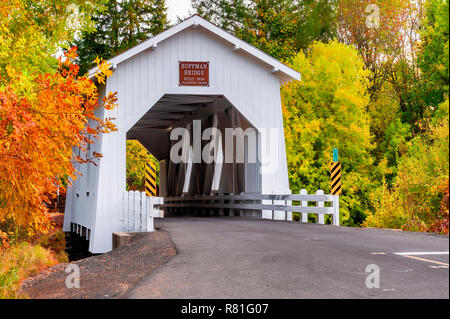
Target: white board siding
(285,73)
(140,82)
(251,85)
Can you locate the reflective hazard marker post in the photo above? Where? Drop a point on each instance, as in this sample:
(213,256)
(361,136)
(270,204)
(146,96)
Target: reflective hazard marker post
(335,174)
(336,189)
(150,179)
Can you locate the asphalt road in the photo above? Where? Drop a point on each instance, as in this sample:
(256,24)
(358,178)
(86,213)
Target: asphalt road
(232,257)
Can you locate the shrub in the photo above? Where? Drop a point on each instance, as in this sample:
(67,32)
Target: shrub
(56,242)
(19,262)
(389,214)
(418,199)
(440,226)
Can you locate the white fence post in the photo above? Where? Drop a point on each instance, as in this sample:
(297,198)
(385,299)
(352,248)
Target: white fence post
(272,212)
(125,212)
(304,203)
(144,203)
(288,203)
(160,211)
(320,217)
(278,214)
(336,210)
(274,202)
(136,210)
(150,213)
(130,210)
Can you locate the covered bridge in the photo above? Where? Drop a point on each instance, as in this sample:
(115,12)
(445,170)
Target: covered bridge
(182,82)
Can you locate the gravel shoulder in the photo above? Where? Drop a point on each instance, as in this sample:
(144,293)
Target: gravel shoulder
(108,275)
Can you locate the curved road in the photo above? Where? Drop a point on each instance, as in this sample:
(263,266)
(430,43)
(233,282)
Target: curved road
(233,257)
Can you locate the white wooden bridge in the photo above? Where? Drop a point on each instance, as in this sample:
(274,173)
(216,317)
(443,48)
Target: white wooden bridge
(197,77)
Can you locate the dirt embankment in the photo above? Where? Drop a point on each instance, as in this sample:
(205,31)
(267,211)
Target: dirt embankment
(108,275)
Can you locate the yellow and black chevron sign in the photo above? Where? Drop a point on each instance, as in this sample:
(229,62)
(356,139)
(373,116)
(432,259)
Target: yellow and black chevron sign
(150,179)
(336,178)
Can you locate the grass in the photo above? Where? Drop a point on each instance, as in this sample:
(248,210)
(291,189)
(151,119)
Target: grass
(19,262)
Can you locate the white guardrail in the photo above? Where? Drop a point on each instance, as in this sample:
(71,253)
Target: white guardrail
(277,206)
(138,211)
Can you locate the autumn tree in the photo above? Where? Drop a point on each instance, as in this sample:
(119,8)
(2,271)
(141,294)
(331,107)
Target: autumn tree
(327,110)
(378,31)
(386,34)
(45,108)
(119,26)
(412,134)
(416,199)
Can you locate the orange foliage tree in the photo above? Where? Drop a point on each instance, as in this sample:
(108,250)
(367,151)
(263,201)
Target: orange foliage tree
(38,131)
(382,31)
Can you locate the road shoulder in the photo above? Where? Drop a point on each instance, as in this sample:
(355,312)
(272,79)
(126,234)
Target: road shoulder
(108,275)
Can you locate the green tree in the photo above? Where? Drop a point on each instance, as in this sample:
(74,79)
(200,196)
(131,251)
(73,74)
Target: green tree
(433,55)
(278,27)
(31,33)
(119,26)
(414,200)
(328,109)
(137,157)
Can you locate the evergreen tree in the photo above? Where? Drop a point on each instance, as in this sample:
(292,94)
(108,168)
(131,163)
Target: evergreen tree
(121,25)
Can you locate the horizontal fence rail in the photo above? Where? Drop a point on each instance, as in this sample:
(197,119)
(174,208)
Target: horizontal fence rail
(139,211)
(264,202)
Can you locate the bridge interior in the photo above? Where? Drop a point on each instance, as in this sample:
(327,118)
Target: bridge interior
(236,175)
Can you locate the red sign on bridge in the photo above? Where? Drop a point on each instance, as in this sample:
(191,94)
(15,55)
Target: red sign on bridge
(194,73)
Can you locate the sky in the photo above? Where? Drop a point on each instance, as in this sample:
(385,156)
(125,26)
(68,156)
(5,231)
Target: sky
(178,8)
